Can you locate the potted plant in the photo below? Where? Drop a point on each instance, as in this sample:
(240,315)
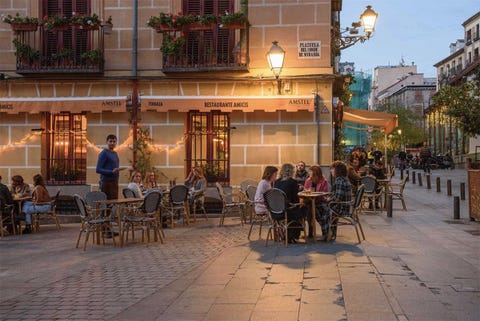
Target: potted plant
(92,56)
(92,22)
(184,20)
(25,53)
(204,22)
(172,45)
(56,23)
(236,20)
(19,23)
(163,22)
(108,26)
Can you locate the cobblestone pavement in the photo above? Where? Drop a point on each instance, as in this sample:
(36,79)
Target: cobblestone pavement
(45,277)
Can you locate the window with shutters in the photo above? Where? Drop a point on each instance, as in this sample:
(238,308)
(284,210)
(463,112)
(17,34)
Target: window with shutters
(73,42)
(208,144)
(208,49)
(65,148)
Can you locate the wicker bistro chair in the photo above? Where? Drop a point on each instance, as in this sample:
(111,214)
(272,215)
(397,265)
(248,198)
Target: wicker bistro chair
(348,217)
(246,183)
(91,198)
(231,202)
(177,204)
(52,214)
(198,203)
(128,193)
(255,218)
(144,218)
(277,206)
(7,218)
(396,190)
(371,195)
(91,222)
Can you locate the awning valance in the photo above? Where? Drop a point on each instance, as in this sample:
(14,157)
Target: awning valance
(227,103)
(59,104)
(382,121)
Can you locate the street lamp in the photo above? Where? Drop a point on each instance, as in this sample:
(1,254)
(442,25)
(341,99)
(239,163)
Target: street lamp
(343,39)
(275,57)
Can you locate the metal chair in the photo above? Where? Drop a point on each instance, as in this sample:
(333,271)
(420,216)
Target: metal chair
(91,198)
(372,194)
(177,204)
(144,218)
(230,203)
(255,217)
(128,193)
(396,190)
(90,223)
(277,205)
(246,183)
(51,214)
(346,214)
(7,218)
(199,202)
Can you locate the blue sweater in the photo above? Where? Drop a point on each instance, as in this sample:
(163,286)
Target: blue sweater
(107,161)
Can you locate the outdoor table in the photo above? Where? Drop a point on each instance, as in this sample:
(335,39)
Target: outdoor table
(312,196)
(120,204)
(19,202)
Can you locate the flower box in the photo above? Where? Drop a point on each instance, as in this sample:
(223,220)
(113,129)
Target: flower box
(160,27)
(24,26)
(198,26)
(61,27)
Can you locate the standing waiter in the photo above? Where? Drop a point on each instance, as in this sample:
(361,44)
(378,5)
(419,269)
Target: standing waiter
(108,166)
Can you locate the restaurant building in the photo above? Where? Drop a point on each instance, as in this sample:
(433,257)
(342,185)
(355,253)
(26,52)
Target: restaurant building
(212,100)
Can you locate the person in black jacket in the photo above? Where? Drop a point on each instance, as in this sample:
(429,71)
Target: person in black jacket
(294,214)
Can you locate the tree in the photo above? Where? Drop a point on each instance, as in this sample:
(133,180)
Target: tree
(463,104)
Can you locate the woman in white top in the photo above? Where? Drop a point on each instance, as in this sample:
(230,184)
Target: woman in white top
(136,184)
(268,178)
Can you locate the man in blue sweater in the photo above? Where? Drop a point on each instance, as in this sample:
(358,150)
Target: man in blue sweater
(108,166)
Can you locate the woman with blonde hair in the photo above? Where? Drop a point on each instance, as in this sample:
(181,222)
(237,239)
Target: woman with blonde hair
(136,184)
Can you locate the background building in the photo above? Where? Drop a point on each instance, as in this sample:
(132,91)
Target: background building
(464,59)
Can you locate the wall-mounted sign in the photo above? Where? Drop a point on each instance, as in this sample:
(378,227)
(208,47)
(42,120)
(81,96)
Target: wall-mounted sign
(309,49)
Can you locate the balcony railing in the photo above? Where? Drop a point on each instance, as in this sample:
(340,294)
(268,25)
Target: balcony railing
(194,61)
(33,57)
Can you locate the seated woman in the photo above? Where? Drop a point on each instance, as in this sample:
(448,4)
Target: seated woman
(196,182)
(290,186)
(19,187)
(341,191)
(317,183)
(150,182)
(136,184)
(40,202)
(268,178)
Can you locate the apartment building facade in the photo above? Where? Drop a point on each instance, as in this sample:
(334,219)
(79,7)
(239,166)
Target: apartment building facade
(211,101)
(446,136)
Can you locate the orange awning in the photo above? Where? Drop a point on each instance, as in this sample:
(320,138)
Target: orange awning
(59,104)
(383,121)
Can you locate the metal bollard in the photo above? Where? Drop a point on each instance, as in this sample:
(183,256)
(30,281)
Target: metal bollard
(449,187)
(456,207)
(429,182)
(401,173)
(413,177)
(438,185)
(420,179)
(462,191)
(389,205)
(408,174)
